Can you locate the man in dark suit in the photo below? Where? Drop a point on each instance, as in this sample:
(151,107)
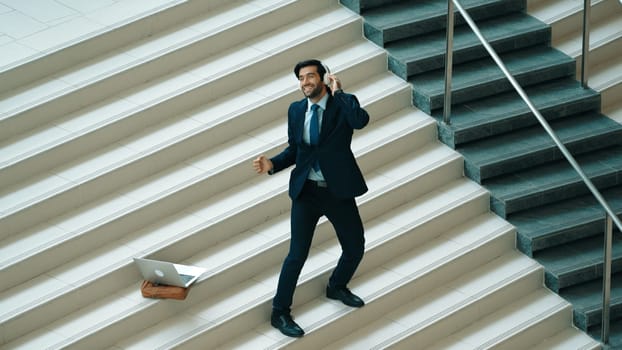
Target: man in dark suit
(325,181)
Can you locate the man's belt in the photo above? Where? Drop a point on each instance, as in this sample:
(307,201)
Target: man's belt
(315,183)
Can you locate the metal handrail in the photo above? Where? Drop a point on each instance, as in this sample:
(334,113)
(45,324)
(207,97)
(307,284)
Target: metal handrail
(610,216)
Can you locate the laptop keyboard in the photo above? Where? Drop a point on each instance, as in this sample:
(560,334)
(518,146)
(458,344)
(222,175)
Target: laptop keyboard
(186,278)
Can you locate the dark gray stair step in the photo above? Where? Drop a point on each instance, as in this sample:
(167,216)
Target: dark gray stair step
(578,262)
(563,222)
(553,182)
(615,334)
(359,6)
(426,52)
(403,19)
(481,78)
(587,301)
(528,147)
(506,112)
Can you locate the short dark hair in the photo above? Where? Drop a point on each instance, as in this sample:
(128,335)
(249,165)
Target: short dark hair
(320,67)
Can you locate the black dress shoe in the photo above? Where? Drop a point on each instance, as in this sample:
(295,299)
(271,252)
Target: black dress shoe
(345,295)
(285,324)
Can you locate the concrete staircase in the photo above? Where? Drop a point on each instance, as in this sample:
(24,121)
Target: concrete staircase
(140,146)
(605,76)
(504,147)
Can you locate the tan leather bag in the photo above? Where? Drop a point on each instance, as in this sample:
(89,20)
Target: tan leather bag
(160,291)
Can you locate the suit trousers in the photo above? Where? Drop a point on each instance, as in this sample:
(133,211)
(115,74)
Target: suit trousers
(312,203)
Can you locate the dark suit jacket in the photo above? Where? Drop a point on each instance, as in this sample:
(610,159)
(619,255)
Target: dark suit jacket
(343,114)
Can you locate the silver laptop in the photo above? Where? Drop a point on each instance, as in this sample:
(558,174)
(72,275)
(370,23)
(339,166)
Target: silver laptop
(162,272)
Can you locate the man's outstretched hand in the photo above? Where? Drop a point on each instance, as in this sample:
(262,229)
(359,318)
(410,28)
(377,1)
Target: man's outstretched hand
(262,164)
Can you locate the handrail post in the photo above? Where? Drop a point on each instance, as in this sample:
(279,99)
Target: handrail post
(448,62)
(611,217)
(606,279)
(586,43)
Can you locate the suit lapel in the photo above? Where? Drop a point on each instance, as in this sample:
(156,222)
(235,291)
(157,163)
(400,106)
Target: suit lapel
(300,120)
(328,118)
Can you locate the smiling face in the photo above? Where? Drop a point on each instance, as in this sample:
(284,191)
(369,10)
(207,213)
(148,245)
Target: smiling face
(311,83)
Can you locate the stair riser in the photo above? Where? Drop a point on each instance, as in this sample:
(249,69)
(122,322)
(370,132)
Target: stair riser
(570,190)
(190,243)
(247,268)
(531,246)
(186,190)
(541,156)
(102,43)
(406,70)
(231,207)
(611,98)
(115,278)
(594,317)
(34,317)
(111,83)
(117,128)
(362,5)
(125,221)
(445,321)
(492,87)
(525,337)
(580,274)
(370,207)
(19,271)
(176,103)
(450,171)
(198,190)
(439,21)
(390,104)
(472,311)
(162,156)
(605,54)
(570,22)
(427,231)
(520,120)
(312,288)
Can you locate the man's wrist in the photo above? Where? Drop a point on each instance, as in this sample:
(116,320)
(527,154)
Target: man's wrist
(271,171)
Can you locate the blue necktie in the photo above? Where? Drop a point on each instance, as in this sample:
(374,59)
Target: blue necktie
(314,128)
(314,131)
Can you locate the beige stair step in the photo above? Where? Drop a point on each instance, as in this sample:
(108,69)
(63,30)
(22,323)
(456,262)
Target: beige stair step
(470,296)
(210,284)
(166,174)
(569,338)
(141,61)
(180,235)
(100,31)
(386,286)
(173,189)
(604,28)
(231,315)
(566,16)
(155,101)
(552,11)
(608,74)
(612,104)
(520,322)
(169,143)
(566,19)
